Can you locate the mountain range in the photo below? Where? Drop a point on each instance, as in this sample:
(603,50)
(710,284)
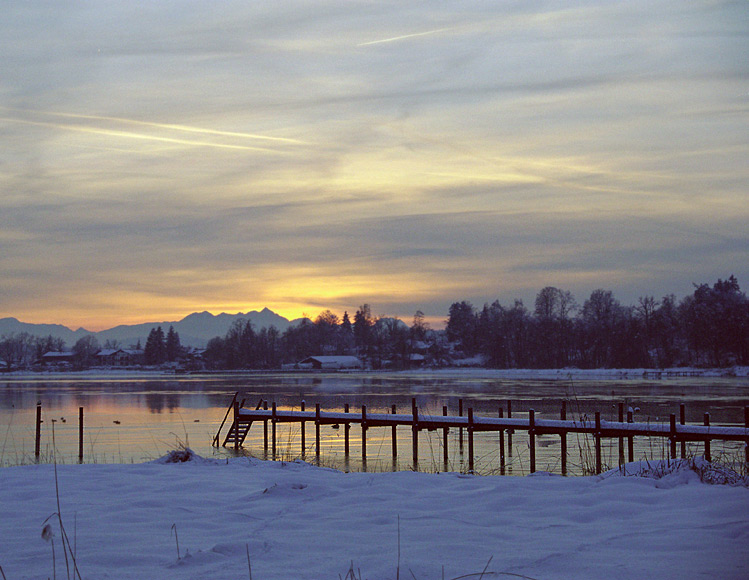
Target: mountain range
(194,330)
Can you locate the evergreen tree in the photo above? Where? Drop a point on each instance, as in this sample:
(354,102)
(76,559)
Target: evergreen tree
(173,346)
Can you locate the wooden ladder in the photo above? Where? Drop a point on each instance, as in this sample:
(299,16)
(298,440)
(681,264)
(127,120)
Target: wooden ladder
(238,432)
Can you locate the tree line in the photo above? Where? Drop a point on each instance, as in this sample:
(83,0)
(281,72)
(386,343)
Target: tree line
(709,327)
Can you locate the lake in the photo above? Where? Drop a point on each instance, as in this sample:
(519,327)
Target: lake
(138,416)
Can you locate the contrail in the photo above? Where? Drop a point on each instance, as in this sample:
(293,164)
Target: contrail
(184,128)
(393,39)
(140,136)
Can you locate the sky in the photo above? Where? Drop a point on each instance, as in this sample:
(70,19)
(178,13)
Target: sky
(158,159)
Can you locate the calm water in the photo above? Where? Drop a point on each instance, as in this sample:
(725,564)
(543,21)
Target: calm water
(140,417)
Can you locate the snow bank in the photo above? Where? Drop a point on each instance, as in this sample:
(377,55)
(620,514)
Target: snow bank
(299,521)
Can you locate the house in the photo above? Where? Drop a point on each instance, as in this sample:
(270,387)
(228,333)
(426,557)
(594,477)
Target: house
(120,357)
(58,358)
(331,363)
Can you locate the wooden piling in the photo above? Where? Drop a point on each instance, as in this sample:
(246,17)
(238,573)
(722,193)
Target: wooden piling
(364,436)
(672,434)
(598,442)
(415,434)
(273,422)
(682,421)
(563,437)
(630,440)
(80,434)
(445,431)
(265,430)
(708,455)
(509,431)
(460,429)
(317,432)
(501,445)
(470,440)
(304,438)
(38,440)
(394,437)
(236,426)
(621,439)
(346,429)
(532,438)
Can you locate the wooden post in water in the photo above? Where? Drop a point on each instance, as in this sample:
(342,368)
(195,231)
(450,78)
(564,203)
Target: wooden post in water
(682,421)
(621,439)
(532,437)
(598,442)
(80,434)
(501,445)
(317,432)
(509,431)
(672,434)
(236,425)
(38,440)
(630,440)
(708,455)
(395,437)
(563,436)
(415,434)
(746,426)
(304,439)
(265,431)
(460,429)
(273,422)
(346,429)
(364,437)
(445,431)
(470,440)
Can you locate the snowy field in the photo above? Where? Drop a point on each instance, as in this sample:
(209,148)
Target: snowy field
(293,520)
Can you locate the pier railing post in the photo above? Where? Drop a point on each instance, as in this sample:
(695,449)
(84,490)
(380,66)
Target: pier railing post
(395,437)
(470,440)
(682,421)
(630,440)
(346,429)
(598,443)
(672,434)
(501,445)
(364,436)
(532,437)
(563,437)
(80,434)
(236,425)
(304,439)
(621,439)
(317,432)
(510,431)
(38,439)
(708,455)
(265,431)
(273,422)
(445,431)
(415,433)
(460,429)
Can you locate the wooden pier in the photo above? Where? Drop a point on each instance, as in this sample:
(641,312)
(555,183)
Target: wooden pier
(676,432)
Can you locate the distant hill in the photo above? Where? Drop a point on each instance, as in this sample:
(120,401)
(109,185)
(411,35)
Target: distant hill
(195,329)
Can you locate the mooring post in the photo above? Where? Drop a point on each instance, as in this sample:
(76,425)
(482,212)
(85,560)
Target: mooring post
(273,428)
(415,433)
(509,431)
(364,436)
(708,455)
(304,438)
(746,426)
(80,434)
(532,437)
(621,439)
(682,421)
(236,425)
(38,442)
(501,445)
(265,431)
(346,429)
(445,431)
(563,437)
(470,440)
(460,429)
(317,432)
(630,440)
(395,435)
(672,434)
(598,442)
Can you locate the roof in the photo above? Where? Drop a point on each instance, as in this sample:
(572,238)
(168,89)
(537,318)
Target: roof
(58,354)
(333,361)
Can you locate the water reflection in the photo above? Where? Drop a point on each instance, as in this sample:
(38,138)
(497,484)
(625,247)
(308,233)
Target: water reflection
(140,417)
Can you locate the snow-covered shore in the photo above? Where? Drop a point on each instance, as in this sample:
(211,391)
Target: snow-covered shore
(299,521)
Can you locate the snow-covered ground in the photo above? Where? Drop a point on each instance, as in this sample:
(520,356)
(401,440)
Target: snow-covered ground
(293,520)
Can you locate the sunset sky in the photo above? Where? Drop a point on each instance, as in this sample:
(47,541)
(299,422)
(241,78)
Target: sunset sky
(166,157)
